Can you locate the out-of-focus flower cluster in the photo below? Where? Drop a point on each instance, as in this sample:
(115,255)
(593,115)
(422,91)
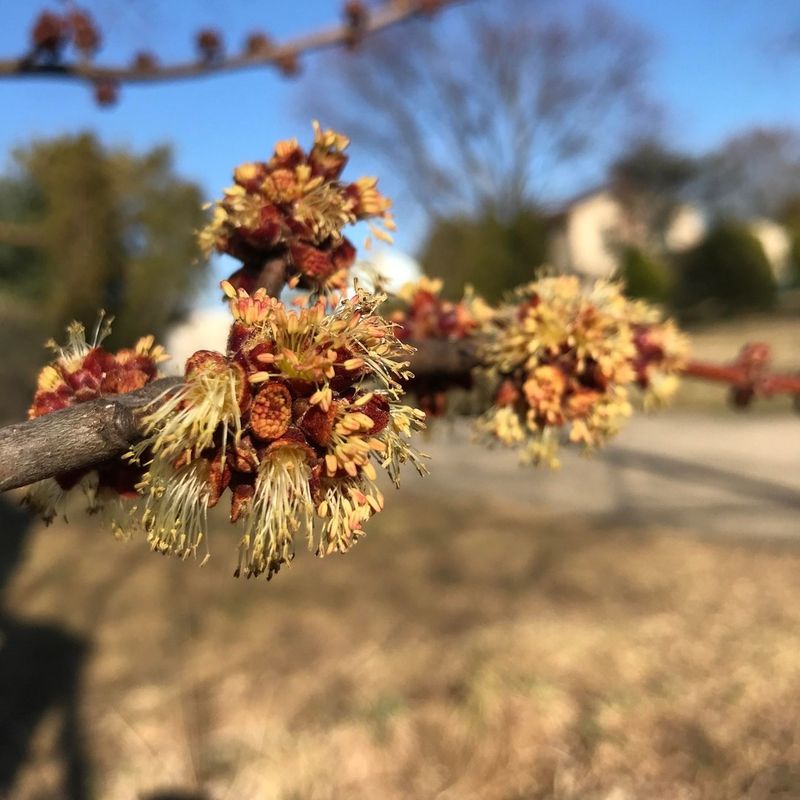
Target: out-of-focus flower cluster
(425,315)
(83,371)
(294,207)
(565,356)
(293,420)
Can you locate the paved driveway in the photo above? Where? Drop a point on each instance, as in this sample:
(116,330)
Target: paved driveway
(735,475)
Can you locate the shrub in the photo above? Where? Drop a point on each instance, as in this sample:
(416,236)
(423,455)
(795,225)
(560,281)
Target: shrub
(493,255)
(644,276)
(727,272)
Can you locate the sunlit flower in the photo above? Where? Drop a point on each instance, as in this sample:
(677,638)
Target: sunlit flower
(83,370)
(565,357)
(214,394)
(295,420)
(425,314)
(294,207)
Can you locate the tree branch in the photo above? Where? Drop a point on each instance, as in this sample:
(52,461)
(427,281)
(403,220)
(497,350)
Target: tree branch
(81,436)
(389,14)
(89,433)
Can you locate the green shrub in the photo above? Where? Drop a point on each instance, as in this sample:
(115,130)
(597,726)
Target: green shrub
(644,276)
(491,254)
(728,272)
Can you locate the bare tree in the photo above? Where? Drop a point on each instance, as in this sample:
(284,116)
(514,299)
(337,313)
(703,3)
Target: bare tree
(477,110)
(754,173)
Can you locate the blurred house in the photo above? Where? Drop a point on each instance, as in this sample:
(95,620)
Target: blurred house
(777,244)
(589,231)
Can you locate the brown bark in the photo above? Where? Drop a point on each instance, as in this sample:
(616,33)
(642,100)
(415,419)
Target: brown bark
(90,433)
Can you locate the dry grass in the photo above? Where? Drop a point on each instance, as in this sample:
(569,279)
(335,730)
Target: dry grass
(460,651)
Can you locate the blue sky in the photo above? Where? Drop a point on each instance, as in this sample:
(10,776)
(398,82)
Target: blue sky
(718,67)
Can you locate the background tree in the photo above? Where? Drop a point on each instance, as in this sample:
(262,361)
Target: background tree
(644,275)
(728,272)
(790,217)
(650,180)
(83,228)
(490,253)
(477,118)
(99,229)
(752,174)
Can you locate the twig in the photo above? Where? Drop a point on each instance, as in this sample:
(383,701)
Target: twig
(81,436)
(389,14)
(89,433)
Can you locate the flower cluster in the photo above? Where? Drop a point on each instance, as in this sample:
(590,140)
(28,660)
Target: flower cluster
(292,420)
(83,371)
(426,315)
(565,356)
(294,207)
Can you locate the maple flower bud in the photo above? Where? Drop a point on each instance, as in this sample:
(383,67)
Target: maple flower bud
(284,422)
(145,61)
(294,207)
(209,45)
(566,357)
(258,44)
(83,370)
(49,34)
(85,34)
(106,92)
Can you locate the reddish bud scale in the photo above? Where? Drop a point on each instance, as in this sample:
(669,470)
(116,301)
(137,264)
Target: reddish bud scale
(328,165)
(243,456)
(344,255)
(219,476)
(120,381)
(377,409)
(145,62)
(241,498)
(318,424)
(267,234)
(99,361)
(258,358)
(257,44)
(237,336)
(47,402)
(83,380)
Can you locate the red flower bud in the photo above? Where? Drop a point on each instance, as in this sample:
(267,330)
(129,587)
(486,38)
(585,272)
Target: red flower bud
(209,44)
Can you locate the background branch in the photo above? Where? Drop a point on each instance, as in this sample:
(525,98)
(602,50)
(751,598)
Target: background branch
(280,56)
